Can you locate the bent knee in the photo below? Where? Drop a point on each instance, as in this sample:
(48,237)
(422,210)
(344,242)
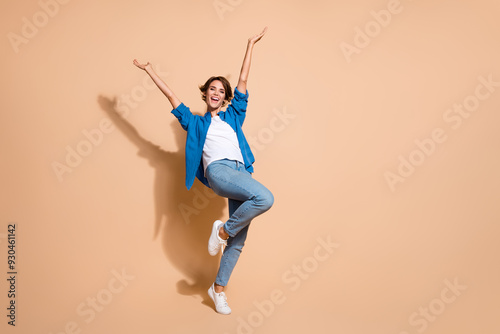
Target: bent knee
(266,200)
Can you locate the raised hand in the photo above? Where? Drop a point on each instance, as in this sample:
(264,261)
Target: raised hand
(142,66)
(256,38)
(245,68)
(172,98)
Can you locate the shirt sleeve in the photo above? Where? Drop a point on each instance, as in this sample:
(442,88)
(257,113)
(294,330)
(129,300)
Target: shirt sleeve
(184,115)
(238,106)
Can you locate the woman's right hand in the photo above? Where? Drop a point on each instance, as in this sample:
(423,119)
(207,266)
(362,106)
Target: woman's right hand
(142,66)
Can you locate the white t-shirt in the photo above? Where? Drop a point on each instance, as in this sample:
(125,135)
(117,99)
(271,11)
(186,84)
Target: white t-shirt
(221,143)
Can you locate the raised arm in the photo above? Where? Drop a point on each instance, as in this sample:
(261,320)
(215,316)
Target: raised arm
(245,68)
(174,101)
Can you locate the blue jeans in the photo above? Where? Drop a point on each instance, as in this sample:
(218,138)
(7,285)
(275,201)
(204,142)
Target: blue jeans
(247,199)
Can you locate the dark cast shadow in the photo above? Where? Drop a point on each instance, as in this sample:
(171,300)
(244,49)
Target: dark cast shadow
(183,219)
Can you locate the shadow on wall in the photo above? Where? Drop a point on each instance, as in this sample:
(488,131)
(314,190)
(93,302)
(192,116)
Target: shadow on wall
(183,218)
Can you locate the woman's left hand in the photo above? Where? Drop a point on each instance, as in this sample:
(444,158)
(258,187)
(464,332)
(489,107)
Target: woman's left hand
(256,38)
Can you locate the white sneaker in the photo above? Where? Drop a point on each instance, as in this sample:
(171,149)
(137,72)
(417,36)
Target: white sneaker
(220,301)
(215,242)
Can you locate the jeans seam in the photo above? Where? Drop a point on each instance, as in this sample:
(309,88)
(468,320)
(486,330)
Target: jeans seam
(238,186)
(252,195)
(234,184)
(246,209)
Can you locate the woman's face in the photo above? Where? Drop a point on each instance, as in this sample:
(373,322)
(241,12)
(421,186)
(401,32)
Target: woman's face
(215,95)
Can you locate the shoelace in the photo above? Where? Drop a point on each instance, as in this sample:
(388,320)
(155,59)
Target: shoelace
(223,243)
(223,302)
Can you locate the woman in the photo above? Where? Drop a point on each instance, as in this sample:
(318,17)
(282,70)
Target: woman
(218,154)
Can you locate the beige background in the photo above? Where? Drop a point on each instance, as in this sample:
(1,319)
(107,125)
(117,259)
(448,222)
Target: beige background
(345,125)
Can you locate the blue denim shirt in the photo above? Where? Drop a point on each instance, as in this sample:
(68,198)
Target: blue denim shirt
(197,128)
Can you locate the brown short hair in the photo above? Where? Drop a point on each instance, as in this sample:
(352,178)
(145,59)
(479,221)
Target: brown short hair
(227,88)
